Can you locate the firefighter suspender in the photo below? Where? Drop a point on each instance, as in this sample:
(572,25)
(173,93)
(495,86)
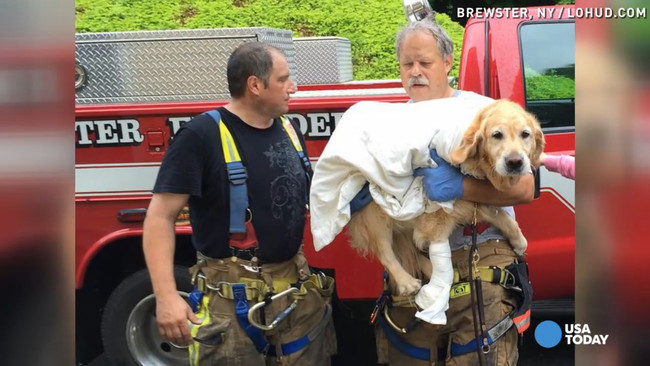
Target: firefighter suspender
(288,127)
(306,166)
(241,229)
(236,176)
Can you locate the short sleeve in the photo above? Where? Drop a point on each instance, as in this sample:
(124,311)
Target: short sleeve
(182,165)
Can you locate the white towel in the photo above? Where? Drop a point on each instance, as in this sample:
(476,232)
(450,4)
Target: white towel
(383,143)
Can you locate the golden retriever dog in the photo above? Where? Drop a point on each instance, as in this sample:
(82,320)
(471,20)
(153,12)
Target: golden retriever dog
(500,145)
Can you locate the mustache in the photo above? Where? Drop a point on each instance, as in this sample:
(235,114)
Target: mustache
(418,80)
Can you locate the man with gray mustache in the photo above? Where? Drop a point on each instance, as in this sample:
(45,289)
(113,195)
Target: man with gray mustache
(417,81)
(425,55)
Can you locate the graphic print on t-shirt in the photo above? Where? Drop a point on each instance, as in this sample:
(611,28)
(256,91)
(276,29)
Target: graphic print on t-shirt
(285,189)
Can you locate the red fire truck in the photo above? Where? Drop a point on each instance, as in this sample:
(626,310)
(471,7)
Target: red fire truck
(135,89)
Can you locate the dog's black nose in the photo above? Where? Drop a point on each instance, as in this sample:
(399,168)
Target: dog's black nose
(514,162)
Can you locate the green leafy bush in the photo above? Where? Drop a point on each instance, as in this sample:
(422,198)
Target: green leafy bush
(549,85)
(370,25)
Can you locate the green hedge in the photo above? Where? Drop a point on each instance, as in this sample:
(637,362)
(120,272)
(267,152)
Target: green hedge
(370,25)
(550,85)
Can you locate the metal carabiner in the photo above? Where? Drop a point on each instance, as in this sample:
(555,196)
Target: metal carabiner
(321,277)
(278,318)
(391,323)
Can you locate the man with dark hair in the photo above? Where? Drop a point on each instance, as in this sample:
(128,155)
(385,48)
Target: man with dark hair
(425,56)
(244,172)
(253,58)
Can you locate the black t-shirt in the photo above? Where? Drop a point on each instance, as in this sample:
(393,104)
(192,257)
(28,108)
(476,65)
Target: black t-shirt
(277,186)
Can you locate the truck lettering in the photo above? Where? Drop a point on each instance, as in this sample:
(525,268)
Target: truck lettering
(129,131)
(313,126)
(105,132)
(316,126)
(300,120)
(82,128)
(175,123)
(108,132)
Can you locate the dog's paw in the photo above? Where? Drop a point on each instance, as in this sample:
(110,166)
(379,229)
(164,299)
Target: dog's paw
(433,298)
(519,245)
(409,286)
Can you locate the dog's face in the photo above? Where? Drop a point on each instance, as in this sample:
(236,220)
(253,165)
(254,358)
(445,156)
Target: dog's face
(503,141)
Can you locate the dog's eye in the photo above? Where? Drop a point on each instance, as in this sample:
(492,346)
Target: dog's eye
(497,135)
(525,134)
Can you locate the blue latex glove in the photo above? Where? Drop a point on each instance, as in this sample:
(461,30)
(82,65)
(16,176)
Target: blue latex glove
(361,199)
(442,183)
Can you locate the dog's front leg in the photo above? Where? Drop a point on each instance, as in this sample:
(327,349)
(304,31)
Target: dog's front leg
(371,230)
(433,297)
(406,284)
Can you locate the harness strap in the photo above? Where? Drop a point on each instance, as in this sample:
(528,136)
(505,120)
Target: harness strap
(256,290)
(521,315)
(491,274)
(258,338)
(302,342)
(456,349)
(236,175)
(406,348)
(480,340)
(493,335)
(306,165)
(241,311)
(288,127)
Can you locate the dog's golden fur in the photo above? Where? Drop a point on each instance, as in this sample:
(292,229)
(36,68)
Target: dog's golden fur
(501,144)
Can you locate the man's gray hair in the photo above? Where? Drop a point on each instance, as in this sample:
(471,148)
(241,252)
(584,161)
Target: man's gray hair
(445,45)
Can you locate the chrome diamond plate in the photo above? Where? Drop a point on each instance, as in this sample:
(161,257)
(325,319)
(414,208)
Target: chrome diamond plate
(323,60)
(168,65)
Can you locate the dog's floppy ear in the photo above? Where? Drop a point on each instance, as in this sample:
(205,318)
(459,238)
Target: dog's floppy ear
(538,140)
(471,141)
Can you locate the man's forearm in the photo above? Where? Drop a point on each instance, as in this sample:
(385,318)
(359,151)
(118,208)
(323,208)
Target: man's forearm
(482,191)
(158,246)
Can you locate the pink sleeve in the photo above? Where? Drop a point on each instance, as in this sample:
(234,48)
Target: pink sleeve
(563,164)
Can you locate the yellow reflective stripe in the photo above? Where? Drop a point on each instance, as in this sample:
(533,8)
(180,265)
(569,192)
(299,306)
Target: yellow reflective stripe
(291,132)
(230,152)
(204,317)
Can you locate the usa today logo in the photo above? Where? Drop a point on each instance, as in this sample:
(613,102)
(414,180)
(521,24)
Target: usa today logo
(548,334)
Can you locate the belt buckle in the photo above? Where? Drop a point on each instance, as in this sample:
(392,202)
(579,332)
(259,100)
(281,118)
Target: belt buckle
(219,287)
(510,281)
(200,282)
(251,268)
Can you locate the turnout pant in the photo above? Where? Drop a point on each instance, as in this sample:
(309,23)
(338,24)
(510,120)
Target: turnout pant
(459,329)
(235,346)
